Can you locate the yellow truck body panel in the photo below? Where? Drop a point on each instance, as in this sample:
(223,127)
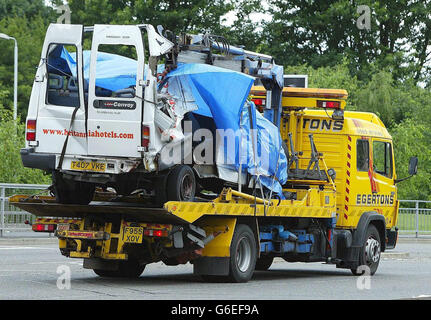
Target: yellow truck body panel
(345,144)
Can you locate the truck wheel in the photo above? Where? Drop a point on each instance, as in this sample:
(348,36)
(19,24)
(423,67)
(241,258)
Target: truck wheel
(263,263)
(243,254)
(213,279)
(105,273)
(72,192)
(181,184)
(370,252)
(126,269)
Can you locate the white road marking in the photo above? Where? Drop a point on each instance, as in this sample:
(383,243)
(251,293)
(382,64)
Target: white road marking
(57,262)
(27,248)
(27,271)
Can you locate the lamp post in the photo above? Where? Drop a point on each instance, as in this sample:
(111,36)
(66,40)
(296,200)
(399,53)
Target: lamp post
(15,86)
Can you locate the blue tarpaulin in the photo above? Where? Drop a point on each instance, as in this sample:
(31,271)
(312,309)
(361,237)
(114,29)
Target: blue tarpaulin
(113,72)
(268,158)
(221,94)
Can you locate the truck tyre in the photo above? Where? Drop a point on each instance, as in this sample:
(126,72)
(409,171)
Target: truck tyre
(263,263)
(72,192)
(181,184)
(126,269)
(105,273)
(370,252)
(243,254)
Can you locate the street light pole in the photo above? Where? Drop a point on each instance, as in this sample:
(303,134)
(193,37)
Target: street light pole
(15,82)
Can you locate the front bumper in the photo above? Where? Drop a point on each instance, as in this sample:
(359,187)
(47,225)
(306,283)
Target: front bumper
(392,238)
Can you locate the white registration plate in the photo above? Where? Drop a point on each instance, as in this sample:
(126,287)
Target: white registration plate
(63,227)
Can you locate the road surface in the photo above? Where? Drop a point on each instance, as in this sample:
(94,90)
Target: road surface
(39,271)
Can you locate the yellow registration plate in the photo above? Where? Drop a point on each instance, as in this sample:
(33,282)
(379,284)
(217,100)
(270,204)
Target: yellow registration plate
(88,166)
(133,234)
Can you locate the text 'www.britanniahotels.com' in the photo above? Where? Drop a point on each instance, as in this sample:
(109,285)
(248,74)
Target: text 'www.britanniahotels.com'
(91,133)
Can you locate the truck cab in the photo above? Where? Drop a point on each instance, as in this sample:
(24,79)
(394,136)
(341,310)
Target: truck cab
(355,147)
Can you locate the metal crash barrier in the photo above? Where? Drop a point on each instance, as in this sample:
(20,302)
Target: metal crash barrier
(414,218)
(12,218)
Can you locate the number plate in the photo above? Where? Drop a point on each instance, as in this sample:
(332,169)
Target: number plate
(62,227)
(133,234)
(88,166)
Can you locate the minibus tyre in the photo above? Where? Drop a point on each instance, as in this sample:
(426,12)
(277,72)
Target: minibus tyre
(181,184)
(72,192)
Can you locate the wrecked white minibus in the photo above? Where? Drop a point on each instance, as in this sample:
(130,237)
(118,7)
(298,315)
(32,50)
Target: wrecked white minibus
(167,128)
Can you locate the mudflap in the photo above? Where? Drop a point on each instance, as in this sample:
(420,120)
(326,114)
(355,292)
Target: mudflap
(101,264)
(216,254)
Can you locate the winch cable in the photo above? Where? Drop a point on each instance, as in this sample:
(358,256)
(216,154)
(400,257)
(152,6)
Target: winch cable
(63,151)
(256,177)
(274,176)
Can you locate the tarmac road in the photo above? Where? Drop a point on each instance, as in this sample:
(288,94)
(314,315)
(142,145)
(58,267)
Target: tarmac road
(28,270)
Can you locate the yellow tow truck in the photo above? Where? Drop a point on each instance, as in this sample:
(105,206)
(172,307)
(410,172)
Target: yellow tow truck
(340,206)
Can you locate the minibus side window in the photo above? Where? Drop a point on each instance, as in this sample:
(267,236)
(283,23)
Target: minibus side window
(62,88)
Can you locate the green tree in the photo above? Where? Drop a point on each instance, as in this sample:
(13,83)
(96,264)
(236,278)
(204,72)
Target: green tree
(177,16)
(11,141)
(30,34)
(245,31)
(330,77)
(24,9)
(413,139)
(323,33)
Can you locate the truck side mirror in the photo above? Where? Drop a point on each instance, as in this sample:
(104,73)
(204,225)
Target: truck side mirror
(413,169)
(413,166)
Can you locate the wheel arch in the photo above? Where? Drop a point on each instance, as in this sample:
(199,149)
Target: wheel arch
(254,226)
(367,218)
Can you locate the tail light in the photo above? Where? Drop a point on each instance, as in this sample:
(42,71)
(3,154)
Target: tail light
(155,233)
(145,136)
(38,227)
(259,102)
(328,104)
(31,130)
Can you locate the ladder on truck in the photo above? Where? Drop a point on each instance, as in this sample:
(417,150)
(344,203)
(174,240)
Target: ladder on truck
(215,50)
